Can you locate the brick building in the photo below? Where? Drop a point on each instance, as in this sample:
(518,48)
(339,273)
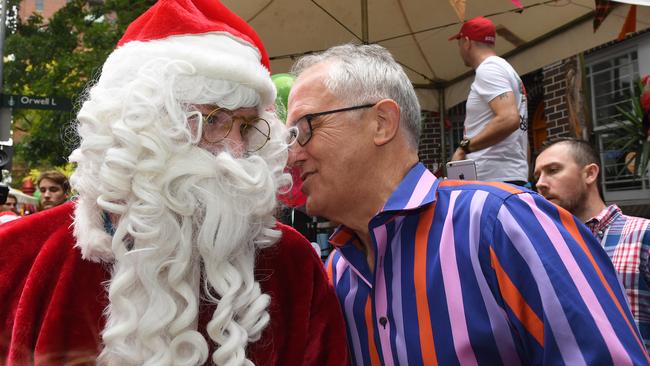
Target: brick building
(44,7)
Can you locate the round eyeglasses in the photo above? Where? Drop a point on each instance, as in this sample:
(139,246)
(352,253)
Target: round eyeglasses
(303,128)
(217,124)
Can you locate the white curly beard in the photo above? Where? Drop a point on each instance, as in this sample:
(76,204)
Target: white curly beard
(206,216)
(187,218)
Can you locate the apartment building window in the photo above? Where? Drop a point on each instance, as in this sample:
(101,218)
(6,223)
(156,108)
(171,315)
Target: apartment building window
(39,5)
(612,76)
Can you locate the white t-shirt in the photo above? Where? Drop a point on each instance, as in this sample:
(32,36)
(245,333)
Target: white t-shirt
(507,160)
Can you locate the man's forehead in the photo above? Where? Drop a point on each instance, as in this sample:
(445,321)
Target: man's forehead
(48,182)
(556,154)
(210,107)
(309,94)
(306,83)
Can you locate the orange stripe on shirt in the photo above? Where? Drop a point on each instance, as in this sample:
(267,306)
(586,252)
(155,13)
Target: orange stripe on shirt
(427,345)
(570,224)
(502,186)
(374,356)
(330,269)
(516,302)
(341,237)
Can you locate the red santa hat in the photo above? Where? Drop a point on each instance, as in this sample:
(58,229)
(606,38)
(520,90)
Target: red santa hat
(213,39)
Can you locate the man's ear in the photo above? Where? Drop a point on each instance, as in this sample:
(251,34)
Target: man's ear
(388,120)
(467,43)
(591,172)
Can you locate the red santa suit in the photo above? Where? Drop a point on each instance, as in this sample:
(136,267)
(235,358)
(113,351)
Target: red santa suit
(52,300)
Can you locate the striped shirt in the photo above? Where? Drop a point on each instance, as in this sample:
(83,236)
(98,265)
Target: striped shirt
(479,273)
(626,240)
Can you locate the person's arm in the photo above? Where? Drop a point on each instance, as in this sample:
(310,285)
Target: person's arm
(506,120)
(558,287)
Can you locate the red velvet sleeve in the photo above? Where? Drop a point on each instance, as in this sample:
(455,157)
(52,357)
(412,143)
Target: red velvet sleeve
(51,300)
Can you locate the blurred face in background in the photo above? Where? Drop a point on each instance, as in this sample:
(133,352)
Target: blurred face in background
(10,205)
(52,194)
(560,179)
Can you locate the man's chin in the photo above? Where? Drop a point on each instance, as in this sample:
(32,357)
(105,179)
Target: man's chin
(311,207)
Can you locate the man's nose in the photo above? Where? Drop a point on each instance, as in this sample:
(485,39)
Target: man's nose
(235,142)
(542,185)
(296,154)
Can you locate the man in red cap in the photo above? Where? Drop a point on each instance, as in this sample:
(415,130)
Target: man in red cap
(496,116)
(171,254)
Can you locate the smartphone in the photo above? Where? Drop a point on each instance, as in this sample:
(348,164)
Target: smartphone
(462,169)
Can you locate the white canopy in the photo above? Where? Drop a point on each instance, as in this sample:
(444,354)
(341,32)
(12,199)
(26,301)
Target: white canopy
(417,32)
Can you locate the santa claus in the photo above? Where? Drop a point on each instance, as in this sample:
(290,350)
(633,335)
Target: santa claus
(171,255)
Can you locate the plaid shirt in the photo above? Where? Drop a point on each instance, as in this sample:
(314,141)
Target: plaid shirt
(626,240)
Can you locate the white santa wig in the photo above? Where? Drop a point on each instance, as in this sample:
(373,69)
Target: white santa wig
(187,223)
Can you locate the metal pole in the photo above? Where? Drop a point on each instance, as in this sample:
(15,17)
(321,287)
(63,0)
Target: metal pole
(5,113)
(3,20)
(364,21)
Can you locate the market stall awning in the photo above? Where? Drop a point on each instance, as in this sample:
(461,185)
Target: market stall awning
(417,32)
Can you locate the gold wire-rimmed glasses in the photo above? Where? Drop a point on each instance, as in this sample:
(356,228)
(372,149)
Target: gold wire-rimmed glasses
(217,125)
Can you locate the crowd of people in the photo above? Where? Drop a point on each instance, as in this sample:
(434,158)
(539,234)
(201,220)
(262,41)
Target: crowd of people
(170,252)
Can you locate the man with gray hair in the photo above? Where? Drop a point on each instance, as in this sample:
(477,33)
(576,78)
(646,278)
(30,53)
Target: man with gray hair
(441,271)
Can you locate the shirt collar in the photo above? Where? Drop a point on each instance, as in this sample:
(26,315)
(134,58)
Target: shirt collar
(417,189)
(600,222)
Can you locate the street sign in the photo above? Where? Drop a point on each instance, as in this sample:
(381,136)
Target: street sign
(36,102)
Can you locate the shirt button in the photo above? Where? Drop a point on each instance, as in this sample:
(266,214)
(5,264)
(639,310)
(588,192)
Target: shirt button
(383,321)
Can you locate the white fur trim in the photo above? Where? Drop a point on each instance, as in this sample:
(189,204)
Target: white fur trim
(216,55)
(92,240)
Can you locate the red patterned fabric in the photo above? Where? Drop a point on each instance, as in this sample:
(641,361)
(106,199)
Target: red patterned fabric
(52,300)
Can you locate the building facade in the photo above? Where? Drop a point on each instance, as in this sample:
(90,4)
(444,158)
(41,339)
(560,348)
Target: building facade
(45,8)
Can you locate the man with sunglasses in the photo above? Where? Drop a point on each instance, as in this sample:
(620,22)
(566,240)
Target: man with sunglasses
(171,254)
(432,271)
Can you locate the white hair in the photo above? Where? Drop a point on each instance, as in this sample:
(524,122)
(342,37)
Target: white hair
(363,74)
(189,222)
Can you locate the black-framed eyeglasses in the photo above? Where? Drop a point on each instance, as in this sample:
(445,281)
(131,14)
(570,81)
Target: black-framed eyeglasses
(217,124)
(305,129)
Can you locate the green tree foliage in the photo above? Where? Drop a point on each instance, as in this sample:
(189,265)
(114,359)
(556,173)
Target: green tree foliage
(60,57)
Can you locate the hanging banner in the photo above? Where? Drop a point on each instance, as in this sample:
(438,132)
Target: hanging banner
(520,5)
(630,23)
(459,8)
(603,8)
